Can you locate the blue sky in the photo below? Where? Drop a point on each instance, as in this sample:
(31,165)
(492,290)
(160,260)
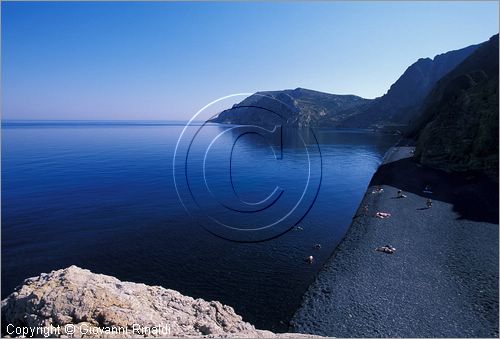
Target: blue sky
(65,60)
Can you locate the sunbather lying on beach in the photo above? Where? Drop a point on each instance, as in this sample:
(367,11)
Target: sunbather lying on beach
(401,195)
(310,259)
(382,215)
(378,189)
(429,203)
(386,249)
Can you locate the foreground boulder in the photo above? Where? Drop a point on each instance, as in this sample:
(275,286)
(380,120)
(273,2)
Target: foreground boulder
(74,302)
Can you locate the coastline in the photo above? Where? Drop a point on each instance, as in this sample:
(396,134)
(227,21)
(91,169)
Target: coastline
(437,284)
(441,281)
(74,303)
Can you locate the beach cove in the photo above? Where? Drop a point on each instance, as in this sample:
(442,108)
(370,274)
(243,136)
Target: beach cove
(108,194)
(442,281)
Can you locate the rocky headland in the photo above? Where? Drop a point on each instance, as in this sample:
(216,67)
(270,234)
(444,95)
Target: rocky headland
(393,111)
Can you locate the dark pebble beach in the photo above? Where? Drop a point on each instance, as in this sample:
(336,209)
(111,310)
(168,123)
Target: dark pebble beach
(442,280)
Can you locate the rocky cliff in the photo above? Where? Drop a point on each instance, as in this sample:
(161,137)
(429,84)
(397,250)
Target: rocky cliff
(402,102)
(82,304)
(307,108)
(458,127)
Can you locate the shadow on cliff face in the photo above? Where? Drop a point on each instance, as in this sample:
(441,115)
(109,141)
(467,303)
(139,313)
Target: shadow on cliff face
(474,197)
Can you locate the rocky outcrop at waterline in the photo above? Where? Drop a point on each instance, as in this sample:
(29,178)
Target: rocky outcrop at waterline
(75,302)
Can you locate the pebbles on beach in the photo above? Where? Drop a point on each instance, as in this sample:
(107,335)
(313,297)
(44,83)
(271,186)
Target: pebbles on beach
(437,285)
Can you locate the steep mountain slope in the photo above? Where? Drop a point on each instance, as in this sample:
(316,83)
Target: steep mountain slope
(299,107)
(402,101)
(458,127)
(393,111)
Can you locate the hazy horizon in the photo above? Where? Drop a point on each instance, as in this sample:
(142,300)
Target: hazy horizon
(164,61)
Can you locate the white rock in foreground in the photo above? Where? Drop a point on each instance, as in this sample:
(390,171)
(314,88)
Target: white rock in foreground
(103,306)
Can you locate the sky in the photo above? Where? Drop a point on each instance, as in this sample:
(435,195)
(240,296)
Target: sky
(166,60)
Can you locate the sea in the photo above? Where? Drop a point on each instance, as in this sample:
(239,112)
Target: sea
(212,211)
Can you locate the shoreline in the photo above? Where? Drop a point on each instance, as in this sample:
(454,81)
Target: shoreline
(435,284)
(74,302)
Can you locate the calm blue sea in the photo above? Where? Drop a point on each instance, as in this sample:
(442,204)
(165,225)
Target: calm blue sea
(101,195)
